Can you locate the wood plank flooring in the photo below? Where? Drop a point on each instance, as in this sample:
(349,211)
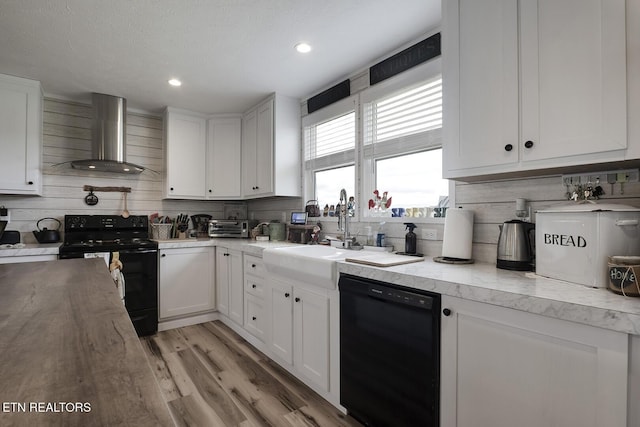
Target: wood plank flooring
(210,376)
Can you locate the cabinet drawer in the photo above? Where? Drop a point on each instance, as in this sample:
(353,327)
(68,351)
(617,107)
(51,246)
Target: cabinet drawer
(254,287)
(254,265)
(255,316)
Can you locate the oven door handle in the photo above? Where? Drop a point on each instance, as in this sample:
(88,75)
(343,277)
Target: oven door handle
(133,251)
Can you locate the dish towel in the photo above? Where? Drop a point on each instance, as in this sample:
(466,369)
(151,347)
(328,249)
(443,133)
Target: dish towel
(116,273)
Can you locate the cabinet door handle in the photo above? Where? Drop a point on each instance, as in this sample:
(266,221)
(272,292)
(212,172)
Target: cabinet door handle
(257,188)
(171,189)
(30,182)
(446,312)
(254,318)
(253,286)
(286,295)
(528,144)
(253,266)
(297,299)
(210,191)
(163,255)
(508,147)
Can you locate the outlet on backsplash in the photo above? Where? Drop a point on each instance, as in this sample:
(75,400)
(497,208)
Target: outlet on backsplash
(429,234)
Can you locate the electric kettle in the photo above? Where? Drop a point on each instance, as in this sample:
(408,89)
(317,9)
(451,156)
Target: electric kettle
(516,246)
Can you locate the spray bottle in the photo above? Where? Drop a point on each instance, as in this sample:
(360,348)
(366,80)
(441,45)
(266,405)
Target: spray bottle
(380,238)
(410,239)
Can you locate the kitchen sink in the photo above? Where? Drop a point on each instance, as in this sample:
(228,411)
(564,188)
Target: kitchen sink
(312,264)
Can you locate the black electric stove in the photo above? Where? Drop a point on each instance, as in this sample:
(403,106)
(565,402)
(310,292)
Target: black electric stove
(90,235)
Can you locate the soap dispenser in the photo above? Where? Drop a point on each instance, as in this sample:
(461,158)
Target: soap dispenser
(410,239)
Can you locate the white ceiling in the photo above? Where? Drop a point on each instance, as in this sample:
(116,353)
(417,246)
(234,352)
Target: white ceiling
(229,53)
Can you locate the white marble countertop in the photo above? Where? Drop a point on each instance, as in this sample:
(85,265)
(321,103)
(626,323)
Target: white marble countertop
(31,249)
(518,290)
(247,246)
(477,282)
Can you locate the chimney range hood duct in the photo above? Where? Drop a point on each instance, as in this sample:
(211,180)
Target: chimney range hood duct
(108,137)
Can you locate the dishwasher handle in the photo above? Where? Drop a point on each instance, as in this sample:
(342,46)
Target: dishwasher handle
(396,296)
(388,292)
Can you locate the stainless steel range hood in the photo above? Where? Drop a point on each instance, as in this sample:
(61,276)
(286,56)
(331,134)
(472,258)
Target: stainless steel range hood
(108,141)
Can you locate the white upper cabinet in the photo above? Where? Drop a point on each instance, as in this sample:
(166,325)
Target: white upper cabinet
(20,136)
(271,149)
(533,85)
(224,158)
(202,156)
(185,159)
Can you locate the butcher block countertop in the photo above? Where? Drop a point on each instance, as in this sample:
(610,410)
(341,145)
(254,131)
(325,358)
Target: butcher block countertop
(69,353)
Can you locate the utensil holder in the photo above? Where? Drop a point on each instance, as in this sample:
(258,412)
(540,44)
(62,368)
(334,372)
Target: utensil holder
(161,231)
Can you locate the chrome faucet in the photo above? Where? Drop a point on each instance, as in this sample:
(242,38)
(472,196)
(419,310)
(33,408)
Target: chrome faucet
(344,226)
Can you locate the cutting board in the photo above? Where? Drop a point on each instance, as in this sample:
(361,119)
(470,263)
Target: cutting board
(383,259)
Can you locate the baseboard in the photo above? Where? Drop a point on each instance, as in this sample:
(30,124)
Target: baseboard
(187,321)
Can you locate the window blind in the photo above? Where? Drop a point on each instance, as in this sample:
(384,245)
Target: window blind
(331,137)
(404,114)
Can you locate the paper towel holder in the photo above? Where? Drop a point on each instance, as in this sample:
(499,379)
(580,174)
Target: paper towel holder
(458,229)
(449,260)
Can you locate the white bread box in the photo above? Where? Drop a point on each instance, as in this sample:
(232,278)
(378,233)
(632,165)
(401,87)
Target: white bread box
(574,242)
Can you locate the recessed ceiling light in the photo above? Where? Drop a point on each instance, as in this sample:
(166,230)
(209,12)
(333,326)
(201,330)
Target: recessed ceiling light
(175,82)
(303,47)
(92,167)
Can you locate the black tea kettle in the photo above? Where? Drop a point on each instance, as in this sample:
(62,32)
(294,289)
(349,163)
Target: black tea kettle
(516,246)
(45,235)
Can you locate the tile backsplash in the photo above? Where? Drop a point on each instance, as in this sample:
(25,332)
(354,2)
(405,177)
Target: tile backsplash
(492,203)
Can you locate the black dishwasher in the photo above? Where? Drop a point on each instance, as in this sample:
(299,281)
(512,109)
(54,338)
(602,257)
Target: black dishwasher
(389,353)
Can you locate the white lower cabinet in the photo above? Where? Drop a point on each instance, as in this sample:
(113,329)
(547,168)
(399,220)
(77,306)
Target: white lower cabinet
(299,329)
(230,284)
(503,368)
(255,316)
(281,337)
(186,279)
(27,258)
(255,309)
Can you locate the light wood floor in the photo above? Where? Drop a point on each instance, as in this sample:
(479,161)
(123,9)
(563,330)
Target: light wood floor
(210,376)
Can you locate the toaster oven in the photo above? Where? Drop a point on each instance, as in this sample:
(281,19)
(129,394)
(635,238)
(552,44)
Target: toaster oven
(239,228)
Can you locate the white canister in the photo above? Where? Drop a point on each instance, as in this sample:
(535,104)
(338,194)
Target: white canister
(573,243)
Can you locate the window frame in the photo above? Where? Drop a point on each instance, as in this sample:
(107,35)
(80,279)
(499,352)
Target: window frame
(370,153)
(331,161)
(363,162)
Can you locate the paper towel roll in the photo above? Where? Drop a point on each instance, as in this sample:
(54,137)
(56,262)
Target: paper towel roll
(458,234)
